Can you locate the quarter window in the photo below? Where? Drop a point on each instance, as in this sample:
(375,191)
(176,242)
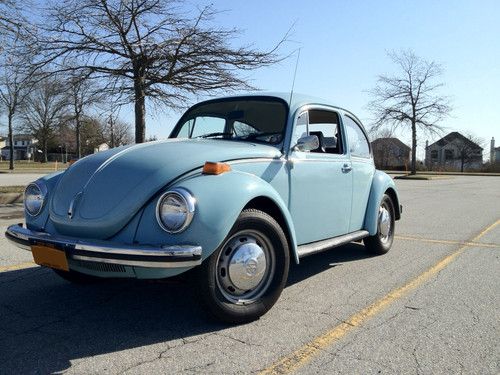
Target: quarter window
(358,143)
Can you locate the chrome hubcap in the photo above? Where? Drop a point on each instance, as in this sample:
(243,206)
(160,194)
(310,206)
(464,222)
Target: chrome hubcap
(247,266)
(244,267)
(384,223)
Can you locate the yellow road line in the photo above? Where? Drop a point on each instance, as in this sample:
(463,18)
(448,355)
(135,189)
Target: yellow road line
(307,352)
(447,242)
(16,267)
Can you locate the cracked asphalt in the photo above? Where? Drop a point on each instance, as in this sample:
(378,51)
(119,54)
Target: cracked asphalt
(448,323)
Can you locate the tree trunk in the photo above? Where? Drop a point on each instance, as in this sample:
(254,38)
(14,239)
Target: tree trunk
(140,110)
(45,156)
(11,143)
(78,140)
(413,147)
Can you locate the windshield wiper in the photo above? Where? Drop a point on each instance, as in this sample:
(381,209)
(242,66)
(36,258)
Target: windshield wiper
(218,134)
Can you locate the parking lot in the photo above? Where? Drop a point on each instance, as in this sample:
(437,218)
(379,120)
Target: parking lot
(431,305)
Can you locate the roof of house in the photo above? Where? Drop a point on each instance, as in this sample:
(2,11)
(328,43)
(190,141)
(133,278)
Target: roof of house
(391,141)
(449,138)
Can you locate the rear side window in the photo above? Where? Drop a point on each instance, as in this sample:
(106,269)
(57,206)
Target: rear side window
(358,143)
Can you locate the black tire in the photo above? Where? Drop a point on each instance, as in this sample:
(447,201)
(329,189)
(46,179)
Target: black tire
(381,242)
(255,230)
(77,277)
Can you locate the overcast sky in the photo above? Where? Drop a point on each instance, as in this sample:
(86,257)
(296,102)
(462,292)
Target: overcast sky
(343,49)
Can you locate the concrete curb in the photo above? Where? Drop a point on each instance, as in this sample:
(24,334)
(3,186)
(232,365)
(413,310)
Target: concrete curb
(9,198)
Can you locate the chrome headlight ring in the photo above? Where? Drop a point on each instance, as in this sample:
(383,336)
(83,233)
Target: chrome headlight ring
(35,195)
(175,210)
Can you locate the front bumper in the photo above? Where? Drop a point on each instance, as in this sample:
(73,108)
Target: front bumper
(167,256)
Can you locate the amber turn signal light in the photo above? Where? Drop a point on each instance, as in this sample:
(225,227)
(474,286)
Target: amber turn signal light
(215,168)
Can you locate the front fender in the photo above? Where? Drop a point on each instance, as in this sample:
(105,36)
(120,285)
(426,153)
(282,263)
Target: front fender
(219,201)
(381,184)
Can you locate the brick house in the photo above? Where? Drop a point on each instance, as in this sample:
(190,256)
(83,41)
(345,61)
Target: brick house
(391,153)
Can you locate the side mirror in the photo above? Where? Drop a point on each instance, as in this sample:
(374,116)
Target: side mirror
(307,143)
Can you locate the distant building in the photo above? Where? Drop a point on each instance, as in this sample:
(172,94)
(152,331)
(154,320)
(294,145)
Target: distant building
(454,152)
(24,146)
(494,153)
(101,147)
(391,153)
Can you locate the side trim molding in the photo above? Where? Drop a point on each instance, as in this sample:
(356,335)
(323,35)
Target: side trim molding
(323,245)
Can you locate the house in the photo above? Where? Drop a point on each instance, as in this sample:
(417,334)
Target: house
(390,153)
(24,146)
(454,152)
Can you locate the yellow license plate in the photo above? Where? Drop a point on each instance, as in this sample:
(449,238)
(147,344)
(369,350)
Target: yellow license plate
(49,257)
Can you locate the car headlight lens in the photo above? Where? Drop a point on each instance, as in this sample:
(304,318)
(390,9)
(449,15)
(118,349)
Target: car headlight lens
(175,210)
(34,196)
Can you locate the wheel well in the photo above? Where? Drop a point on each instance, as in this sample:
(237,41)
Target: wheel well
(392,194)
(268,206)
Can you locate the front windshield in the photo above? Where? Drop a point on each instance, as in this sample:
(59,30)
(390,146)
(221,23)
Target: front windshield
(245,119)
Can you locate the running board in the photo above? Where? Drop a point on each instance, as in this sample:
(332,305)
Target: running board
(323,245)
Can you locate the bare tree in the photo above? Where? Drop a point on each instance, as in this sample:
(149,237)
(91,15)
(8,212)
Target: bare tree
(150,48)
(45,108)
(83,94)
(91,134)
(469,150)
(15,83)
(116,132)
(410,99)
(9,18)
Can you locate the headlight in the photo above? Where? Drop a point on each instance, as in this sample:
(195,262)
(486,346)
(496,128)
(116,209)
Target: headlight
(175,210)
(34,196)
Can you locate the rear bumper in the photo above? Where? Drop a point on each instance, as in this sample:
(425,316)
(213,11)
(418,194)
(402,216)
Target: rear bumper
(167,256)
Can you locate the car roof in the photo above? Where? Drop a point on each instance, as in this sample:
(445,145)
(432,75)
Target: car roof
(294,101)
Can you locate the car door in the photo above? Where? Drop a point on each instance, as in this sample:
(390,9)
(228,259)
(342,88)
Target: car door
(320,181)
(363,170)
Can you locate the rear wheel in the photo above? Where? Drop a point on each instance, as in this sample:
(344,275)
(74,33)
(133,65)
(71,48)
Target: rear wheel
(245,276)
(381,242)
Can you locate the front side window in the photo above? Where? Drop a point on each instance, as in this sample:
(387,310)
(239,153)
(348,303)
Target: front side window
(358,143)
(323,124)
(252,119)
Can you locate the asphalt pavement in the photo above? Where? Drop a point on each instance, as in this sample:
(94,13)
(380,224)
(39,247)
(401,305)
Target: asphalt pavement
(431,305)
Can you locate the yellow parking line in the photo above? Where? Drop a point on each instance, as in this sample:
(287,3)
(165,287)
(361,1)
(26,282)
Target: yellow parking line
(447,242)
(16,267)
(306,353)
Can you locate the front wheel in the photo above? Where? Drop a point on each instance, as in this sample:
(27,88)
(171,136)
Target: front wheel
(245,276)
(381,242)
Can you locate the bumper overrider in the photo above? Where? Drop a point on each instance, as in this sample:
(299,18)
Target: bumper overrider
(165,256)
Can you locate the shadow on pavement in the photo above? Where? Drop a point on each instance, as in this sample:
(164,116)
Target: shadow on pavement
(46,322)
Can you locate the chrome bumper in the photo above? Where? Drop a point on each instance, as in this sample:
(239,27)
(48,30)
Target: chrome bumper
(167,256)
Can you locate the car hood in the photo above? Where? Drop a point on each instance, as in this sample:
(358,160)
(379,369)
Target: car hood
(98,195)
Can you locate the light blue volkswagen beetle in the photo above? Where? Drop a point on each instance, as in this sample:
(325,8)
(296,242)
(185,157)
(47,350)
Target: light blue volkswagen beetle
(244,185)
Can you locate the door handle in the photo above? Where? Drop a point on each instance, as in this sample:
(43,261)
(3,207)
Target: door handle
(346,168)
